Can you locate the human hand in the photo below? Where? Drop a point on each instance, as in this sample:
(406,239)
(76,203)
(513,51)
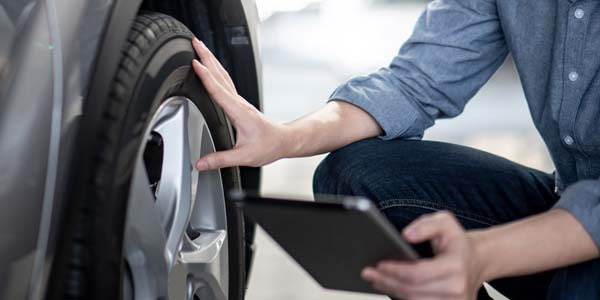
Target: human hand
(453,273)
(259,141)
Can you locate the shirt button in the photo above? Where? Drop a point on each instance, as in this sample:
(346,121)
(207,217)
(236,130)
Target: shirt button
(573,76)
(569,140)
(579,13)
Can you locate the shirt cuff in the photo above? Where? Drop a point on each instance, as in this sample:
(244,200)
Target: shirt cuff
(582,200)
(395,116)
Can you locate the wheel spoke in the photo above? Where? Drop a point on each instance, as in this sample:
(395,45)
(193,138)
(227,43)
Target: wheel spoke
(145,244)
(205,249)
(209,210)
(206,255)
(205,259)
(196,134)
(174,197)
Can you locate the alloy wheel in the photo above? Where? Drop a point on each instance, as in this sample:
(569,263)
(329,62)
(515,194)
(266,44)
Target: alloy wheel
(176,229)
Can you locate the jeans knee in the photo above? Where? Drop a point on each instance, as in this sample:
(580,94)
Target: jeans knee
(326,179)
(320,178)
(342,171)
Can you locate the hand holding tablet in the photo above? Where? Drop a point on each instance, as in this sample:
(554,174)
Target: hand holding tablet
(332,240)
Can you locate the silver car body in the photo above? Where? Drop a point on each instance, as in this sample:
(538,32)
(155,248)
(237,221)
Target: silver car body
(52,53)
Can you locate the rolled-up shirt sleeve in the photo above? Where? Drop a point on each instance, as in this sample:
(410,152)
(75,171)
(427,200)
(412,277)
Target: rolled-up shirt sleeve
(456,46)
(582,200)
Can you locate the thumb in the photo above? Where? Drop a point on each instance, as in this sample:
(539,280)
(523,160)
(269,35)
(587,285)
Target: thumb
(218,160)
(431,227)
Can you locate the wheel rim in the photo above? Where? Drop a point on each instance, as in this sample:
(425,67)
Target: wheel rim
(176,229)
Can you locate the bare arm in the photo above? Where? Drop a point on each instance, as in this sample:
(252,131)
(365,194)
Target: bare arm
(260,140)
(335,125)
(543,242)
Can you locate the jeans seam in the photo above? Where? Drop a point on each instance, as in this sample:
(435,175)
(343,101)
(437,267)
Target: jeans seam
(397,202)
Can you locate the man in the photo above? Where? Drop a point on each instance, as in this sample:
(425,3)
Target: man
(521,221)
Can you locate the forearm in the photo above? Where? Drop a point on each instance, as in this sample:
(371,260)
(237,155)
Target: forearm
(550,240)
(336,125)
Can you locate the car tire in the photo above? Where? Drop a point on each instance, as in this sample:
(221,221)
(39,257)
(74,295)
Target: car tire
(155,67)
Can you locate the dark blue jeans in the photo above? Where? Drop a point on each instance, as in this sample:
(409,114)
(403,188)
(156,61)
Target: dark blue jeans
(407,179)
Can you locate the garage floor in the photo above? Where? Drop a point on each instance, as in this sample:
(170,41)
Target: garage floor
(305,52)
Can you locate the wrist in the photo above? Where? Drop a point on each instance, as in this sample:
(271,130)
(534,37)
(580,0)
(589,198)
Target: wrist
(290,140)
(484,255)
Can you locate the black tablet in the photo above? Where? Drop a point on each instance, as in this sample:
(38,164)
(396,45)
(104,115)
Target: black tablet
(332,240)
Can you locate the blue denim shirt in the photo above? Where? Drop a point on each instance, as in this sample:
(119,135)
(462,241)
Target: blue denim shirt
(457,45)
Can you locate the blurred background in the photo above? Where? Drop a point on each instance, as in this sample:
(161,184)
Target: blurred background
(309,47)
